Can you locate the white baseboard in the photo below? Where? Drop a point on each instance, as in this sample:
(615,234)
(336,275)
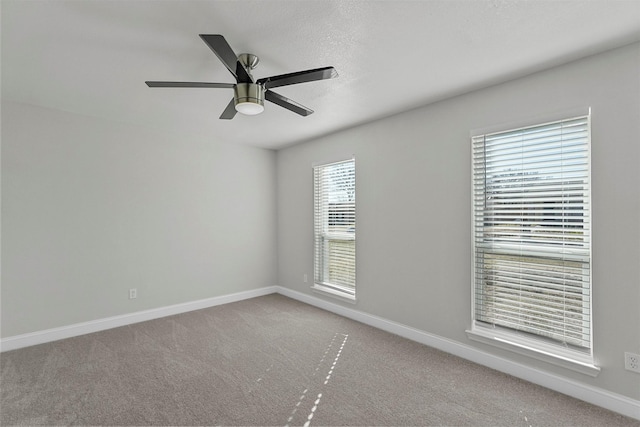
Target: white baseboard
(596,396)
(48,335)
(612,401)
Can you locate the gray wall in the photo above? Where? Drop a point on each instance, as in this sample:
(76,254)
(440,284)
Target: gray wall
(413,174)
(92,208)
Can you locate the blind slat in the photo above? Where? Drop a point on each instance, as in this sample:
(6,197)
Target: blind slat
(532,230)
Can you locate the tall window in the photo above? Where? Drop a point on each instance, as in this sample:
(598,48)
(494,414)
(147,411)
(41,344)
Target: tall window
(532,236)
(335,228)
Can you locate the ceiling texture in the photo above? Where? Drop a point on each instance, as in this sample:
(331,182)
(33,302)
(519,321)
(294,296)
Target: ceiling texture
(93,57)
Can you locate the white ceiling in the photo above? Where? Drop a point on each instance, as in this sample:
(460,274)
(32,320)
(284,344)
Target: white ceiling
(92,57)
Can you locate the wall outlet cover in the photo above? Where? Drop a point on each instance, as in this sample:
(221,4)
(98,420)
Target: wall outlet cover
(632,362)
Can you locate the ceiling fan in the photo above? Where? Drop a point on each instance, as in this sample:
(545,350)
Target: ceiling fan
(249,94)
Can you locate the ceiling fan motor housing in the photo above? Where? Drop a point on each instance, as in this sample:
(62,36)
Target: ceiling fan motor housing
(249,98)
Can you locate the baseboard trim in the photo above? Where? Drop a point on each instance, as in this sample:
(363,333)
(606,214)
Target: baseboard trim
(596,396)
(603,398)
(55,334)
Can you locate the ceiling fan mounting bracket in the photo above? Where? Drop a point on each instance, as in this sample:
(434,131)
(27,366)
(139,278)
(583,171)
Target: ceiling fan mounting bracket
(249,60)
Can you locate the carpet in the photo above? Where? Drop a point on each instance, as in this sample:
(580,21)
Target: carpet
(268,361)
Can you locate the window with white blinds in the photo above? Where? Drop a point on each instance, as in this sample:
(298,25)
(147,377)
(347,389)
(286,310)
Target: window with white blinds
(532,234)
(335,227)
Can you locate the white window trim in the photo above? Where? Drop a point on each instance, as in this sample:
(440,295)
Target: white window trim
(534,349)
(584,363)
(333,293)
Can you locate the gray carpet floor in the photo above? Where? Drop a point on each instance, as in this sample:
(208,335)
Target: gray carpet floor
(268,361)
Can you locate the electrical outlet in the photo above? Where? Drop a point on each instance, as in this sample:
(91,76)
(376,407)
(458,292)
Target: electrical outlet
(304,278)
(632,362)
(133,293)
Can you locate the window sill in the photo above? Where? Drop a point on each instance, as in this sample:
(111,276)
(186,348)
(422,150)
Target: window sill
(520,346)
(333,293)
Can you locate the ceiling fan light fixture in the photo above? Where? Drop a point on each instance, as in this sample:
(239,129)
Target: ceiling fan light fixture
(249,98)
(249,108)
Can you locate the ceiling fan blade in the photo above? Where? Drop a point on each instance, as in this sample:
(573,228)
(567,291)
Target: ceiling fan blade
(287,103)
(191,84)
(299,77)
(218,44)
(229,112)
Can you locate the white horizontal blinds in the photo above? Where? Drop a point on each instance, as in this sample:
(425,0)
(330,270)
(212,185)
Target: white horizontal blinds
(533,230)
(334,224)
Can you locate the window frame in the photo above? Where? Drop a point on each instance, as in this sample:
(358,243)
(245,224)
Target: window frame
(322,234)
(518,341)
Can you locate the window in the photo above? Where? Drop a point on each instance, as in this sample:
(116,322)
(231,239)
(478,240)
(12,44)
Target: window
(334,188)
(532,238)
